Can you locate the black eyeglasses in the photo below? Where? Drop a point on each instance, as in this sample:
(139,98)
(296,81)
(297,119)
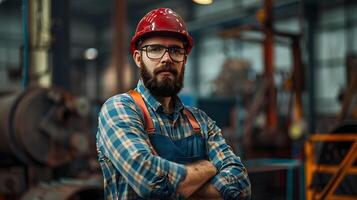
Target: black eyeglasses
(157,51)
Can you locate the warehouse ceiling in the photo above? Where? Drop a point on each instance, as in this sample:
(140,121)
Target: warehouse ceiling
(99,12)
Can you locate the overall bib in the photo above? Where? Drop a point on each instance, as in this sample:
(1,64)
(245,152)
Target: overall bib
(183,151)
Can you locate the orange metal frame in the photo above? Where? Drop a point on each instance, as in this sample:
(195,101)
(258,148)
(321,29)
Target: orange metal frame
(338,171)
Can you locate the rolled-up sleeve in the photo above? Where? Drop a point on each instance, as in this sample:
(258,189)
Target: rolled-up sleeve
(123,140)
(232,179)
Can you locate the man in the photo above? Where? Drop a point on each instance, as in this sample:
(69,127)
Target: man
(150,145)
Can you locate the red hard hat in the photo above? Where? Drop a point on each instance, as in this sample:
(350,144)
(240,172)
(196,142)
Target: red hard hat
(162,20)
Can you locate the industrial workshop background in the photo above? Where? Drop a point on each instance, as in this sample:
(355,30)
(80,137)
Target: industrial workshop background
(278,76)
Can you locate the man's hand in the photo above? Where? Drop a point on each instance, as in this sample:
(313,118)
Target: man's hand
(197,175)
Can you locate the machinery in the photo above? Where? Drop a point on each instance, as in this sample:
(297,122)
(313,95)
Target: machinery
(69,190)
(274,132)
(44,136)
(331,163)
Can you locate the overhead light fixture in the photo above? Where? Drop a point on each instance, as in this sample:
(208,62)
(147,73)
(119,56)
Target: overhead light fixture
(90,54)
(203,2)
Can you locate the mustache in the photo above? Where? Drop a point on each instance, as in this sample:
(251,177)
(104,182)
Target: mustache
(166,68)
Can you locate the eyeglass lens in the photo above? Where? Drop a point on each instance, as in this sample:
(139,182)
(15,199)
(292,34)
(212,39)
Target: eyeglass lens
(157,51)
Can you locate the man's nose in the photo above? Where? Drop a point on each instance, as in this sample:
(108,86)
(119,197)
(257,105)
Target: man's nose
(166,57)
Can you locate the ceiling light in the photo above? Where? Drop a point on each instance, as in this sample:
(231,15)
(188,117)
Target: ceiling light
(90,54)
(203,2)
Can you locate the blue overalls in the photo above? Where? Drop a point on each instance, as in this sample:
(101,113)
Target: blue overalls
(183,151)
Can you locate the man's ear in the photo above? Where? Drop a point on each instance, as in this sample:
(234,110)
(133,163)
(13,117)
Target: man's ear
(137,58)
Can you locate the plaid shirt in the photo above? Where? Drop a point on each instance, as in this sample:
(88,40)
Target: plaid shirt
(131,171)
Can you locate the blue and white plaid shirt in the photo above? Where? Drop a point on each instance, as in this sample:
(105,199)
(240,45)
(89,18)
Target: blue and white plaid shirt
(130,169)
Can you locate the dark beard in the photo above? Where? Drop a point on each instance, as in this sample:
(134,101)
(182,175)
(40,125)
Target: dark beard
(167,87)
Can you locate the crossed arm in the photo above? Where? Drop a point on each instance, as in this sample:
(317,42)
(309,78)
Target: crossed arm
(195,183)
(231,180)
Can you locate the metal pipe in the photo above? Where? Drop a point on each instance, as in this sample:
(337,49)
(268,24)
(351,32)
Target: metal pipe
(26,54)
(61,45)
(119,53)
(40,42)
(271,109)
(311,11)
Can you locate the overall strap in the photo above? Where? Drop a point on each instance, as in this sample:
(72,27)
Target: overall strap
(149,125)
(196,127)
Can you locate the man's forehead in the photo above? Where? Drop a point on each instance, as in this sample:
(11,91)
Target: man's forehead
(163,40)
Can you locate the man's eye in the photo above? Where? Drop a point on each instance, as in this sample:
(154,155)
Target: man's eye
(154,48)
(176,50)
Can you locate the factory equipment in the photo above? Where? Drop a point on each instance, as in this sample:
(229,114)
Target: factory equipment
(40,126)
(234,78)
(44,135)
(331,167)
(66,190)
(273,134)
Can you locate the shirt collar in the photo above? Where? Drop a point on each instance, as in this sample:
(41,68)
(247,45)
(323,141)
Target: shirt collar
(151,100)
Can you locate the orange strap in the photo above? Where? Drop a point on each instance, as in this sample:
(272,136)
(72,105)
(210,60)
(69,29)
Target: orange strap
(144,110)
(192,120)
(148,122)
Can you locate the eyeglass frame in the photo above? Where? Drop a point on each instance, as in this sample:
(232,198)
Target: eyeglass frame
(167,49)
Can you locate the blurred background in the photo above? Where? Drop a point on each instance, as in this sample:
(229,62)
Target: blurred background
(279,77)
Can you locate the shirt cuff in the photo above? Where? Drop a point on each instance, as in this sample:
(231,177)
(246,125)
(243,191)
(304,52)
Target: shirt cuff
(167,181)
(231,187)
